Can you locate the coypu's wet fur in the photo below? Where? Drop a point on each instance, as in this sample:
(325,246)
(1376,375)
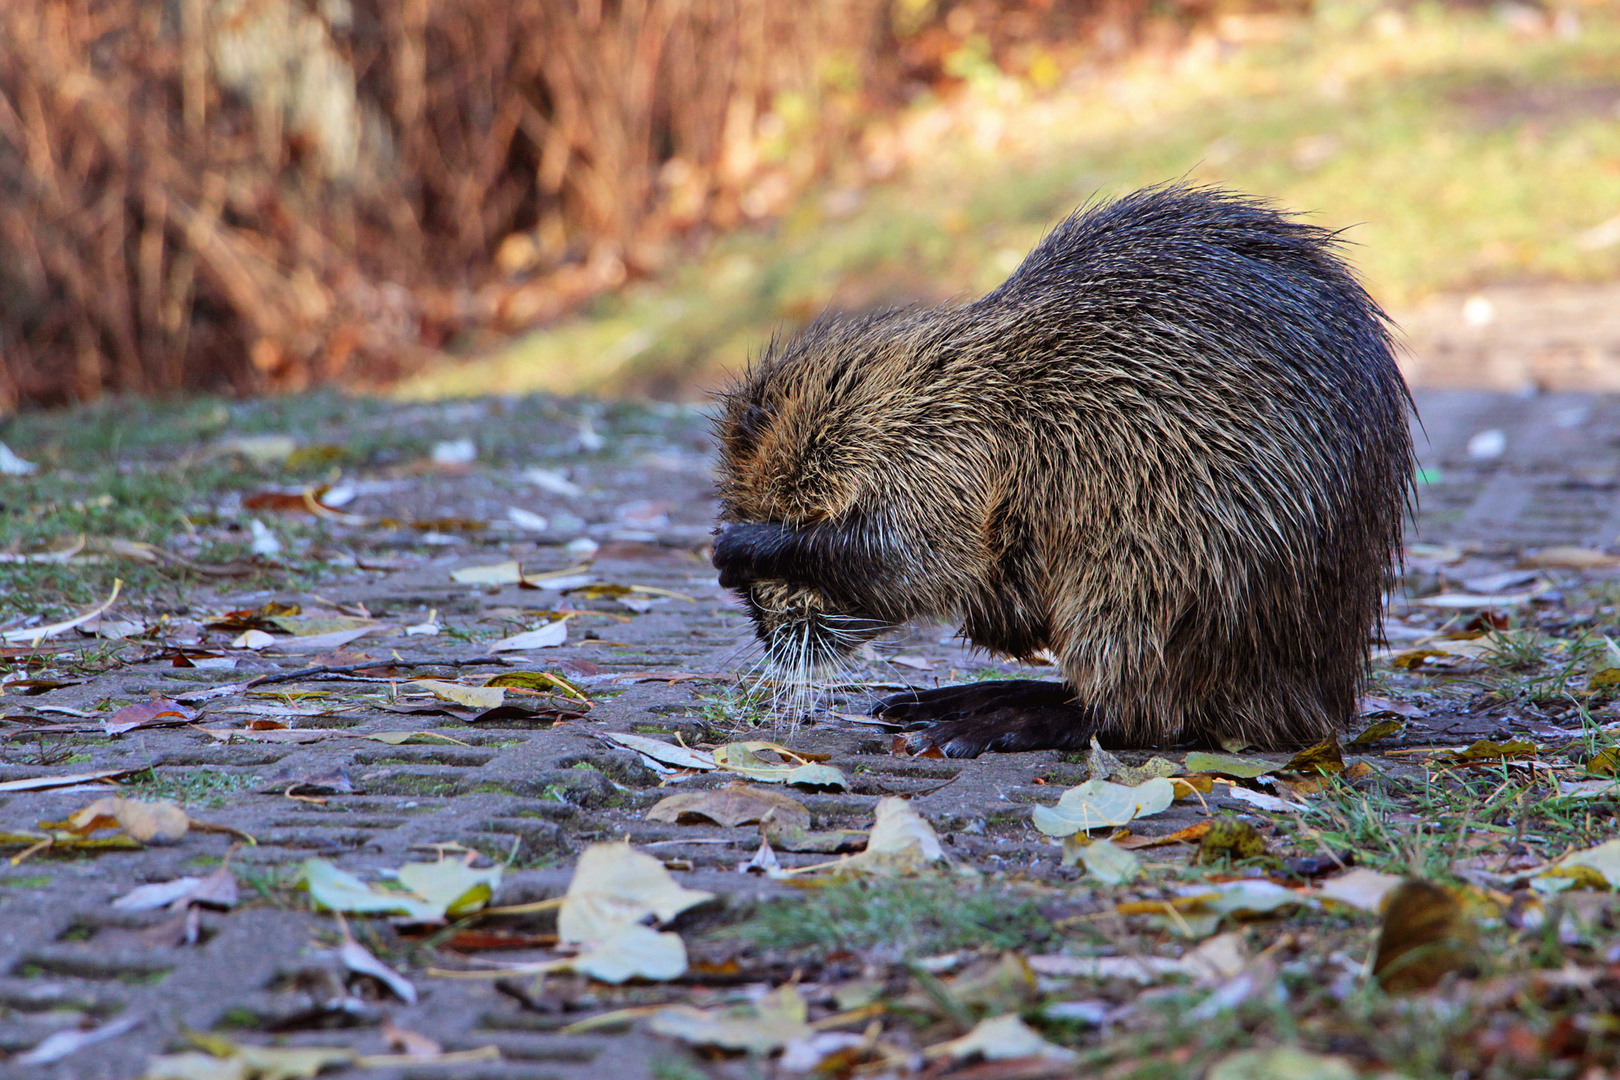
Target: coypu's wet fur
(1172,448)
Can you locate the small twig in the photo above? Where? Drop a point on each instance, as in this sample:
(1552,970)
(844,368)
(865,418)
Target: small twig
(349,669)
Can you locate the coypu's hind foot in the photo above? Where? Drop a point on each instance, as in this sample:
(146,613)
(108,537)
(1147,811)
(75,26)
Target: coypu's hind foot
(1006,716)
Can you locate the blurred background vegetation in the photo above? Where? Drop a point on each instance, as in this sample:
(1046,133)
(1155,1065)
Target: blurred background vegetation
(475,196)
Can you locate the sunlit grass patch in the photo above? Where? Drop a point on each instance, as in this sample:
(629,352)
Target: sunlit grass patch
(899,919)
(1453,148)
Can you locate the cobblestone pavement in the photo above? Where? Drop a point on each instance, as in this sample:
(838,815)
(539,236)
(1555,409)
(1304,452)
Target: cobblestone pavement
(539,794)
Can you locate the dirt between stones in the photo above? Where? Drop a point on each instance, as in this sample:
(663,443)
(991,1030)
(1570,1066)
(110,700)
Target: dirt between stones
(537,794)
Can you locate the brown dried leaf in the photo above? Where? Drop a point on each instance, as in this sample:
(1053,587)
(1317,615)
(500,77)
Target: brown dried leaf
(1191,834)
(1325,757)
(159,712)
(730,806)
(147,822)
(1490,750)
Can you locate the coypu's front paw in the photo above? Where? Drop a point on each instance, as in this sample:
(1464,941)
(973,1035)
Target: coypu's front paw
(1004,716)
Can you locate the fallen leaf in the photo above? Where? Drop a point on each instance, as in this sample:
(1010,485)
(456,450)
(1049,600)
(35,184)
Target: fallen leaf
(1436,653)
(159,712)
(1248,897)
(730,806)
(59,1045)
(1603,678)
(1230,765)
(459,888)
(1105,861)
(1282,1063)
(35,634)
(261,450)
(900,837)
(160,822)
(454,452)
(1605,672)
(1427,934)
(216,890)
(543,637)
(1190,835)
(827,842)
(901,842)
(1263,801)
(339,890)
(42,783)
(1360,888)
(1569,557)
(1098,804)
(664,753)
(1378,731)
(765,1026)
(428,628)
(319,625)
(1371,705)
(615,885)
(64,841)
(743,758)
(159,894)
(12,465)
(1473,601)
(295,736)
(1139,969)
(999,1039)
(504,573)
(1594,867)
(318,643)
(1588,789)
(61,555)
(1490,750)
(632,951)
(527,519)
(763,862)
(541,681)
(399,738)
(358,959)
(474,697)
(1221,957)
(1325,758)
(248,1063)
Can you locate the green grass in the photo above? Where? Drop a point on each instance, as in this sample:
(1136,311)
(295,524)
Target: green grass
(204,788)
(26,881)
(1422,827)
(899,919)
(1423,134)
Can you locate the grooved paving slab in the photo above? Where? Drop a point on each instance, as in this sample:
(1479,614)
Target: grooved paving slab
(536,794)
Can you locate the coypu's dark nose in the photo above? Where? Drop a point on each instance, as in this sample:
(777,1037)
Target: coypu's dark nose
(746,552)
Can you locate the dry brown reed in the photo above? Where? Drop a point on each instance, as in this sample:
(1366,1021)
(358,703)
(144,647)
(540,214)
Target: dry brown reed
(243,195)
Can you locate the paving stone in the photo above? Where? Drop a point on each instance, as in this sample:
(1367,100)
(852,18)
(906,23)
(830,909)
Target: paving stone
(537,795)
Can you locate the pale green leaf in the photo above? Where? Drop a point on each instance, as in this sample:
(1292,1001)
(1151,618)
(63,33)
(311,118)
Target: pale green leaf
(633,951)
(1229,765)
(339,890)
(451,883)
(1098,804)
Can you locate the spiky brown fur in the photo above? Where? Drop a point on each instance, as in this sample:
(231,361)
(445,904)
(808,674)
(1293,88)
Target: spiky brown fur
(1172,448)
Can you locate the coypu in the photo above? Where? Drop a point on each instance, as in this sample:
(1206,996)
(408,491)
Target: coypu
(1172,449)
